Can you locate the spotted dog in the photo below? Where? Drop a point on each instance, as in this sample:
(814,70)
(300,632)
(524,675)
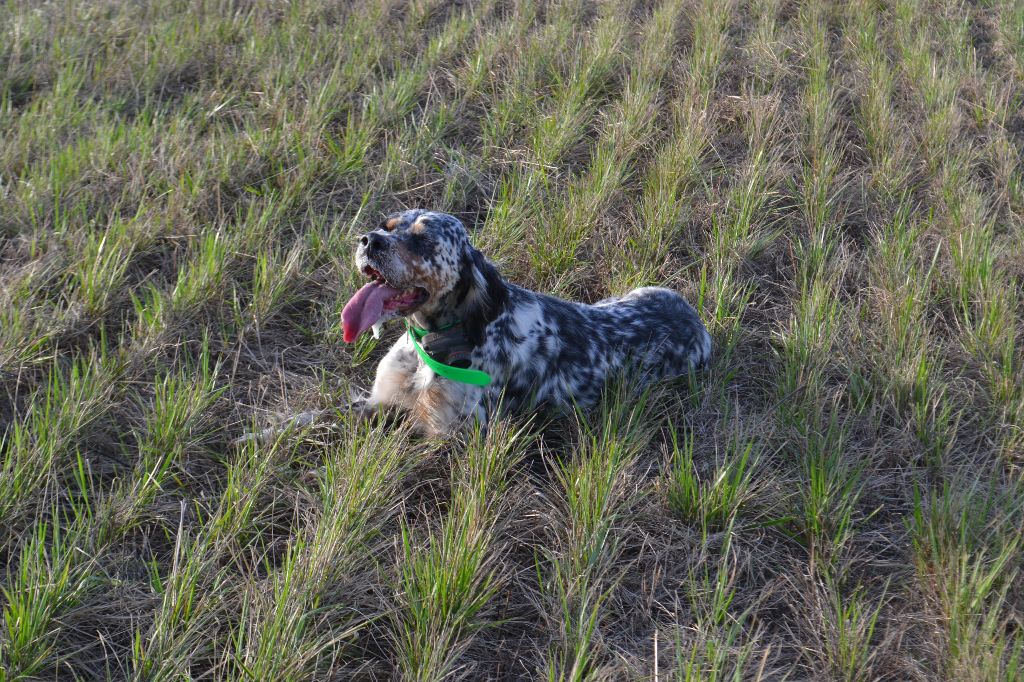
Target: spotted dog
(515,348)
(532,350)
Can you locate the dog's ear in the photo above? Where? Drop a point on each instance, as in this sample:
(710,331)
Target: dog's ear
(485,300)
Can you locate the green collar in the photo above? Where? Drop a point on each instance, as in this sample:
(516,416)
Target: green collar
(473,377)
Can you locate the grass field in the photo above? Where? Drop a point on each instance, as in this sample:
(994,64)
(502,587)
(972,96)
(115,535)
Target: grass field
(837,187)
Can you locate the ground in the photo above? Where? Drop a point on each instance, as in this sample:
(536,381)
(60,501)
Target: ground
(836,187)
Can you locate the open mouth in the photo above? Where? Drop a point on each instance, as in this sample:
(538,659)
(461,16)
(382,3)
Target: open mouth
(405,301)
(378,301)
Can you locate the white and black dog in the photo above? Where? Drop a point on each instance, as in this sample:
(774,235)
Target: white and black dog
(508,346)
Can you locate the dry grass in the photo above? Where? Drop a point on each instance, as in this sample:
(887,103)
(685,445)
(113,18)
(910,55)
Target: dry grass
(837,186)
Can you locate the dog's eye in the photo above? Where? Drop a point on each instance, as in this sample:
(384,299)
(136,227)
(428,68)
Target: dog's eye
(421,244)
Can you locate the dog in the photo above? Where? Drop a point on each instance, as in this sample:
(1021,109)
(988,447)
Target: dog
(477,344)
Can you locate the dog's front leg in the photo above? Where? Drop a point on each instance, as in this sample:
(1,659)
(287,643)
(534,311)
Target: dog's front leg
(392,387)
(394,383)
(358,407)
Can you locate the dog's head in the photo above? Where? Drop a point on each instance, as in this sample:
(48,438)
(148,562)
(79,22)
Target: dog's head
(422,263)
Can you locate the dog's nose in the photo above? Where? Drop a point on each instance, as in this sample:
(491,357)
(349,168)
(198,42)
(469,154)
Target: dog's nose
(373,241)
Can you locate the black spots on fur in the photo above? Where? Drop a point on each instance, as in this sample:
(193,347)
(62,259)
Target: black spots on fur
(498,344)
(571,349)
(542,346)
(450,227)
(575,343)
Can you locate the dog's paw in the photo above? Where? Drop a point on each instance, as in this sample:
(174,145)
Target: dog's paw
(301,420)
(253,437)
(363,410)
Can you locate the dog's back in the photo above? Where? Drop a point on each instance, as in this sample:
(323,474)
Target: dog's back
(550,351)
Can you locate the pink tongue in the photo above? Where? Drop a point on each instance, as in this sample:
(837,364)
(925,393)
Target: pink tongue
(364,309)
